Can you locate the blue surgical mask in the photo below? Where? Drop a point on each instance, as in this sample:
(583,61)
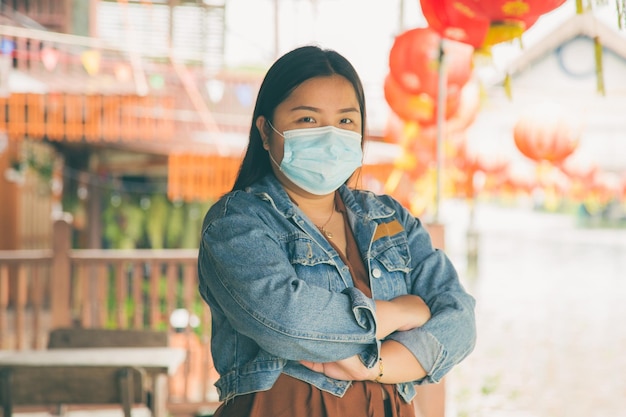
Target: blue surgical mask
(320,159)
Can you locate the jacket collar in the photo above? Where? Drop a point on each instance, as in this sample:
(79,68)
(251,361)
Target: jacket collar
(362,203)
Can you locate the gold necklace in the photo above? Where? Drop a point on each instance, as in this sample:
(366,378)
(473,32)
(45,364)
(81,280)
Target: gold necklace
(322,228)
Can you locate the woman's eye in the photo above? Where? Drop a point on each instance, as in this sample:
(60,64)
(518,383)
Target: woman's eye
(307,119)
(346,121)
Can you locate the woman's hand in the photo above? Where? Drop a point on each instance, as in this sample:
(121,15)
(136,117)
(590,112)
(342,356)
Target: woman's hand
(350,369)
(399,366)
(402,313)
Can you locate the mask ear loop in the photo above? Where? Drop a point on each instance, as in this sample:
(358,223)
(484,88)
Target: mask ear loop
(268,146)
(273,128)
(264,134)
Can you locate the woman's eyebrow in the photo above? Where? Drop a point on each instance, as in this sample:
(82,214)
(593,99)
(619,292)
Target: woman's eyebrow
(309,108)
(315,109)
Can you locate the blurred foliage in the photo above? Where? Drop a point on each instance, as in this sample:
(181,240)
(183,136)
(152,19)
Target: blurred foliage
(132,222)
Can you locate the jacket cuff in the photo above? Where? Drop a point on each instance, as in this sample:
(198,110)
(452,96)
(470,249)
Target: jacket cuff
(427,350)
(363,309)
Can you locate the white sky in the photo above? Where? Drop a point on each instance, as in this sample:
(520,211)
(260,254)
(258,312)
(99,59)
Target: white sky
(361,30)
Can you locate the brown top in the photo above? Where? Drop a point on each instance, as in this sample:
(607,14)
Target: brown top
(290,397)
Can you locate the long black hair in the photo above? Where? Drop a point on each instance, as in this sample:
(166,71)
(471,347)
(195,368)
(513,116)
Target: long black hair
(287,73)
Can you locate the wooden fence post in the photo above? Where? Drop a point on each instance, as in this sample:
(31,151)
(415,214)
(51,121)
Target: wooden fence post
(61,282)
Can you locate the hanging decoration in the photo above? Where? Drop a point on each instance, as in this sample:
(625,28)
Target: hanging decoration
(411,87)
(424,88)
(156,81)
(547,137)
(49,58)
(417,138)
(597,52)
(621,13)
(483,24)
(215,89)
(123,72)
(7,46)
(91,61)
(455,20)
(419,107)
(414,62)
(244,94)
(546,133)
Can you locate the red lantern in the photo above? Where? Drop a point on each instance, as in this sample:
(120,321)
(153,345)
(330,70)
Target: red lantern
(419,107)
(516,10)
(414,62)
(546,135)
(486,22)
(455,20)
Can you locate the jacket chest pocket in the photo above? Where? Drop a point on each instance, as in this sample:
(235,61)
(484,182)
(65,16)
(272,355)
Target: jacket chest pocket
(389,265)
(313,265)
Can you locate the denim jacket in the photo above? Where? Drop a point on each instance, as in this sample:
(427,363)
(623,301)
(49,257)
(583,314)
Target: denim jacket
(279,293)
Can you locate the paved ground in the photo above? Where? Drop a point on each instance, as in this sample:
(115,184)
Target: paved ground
(551,317)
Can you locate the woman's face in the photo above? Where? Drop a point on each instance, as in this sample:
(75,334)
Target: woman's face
(317,102)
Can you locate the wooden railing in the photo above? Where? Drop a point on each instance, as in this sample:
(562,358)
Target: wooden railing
(44,289)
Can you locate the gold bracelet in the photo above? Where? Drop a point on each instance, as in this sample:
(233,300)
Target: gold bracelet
(381,368)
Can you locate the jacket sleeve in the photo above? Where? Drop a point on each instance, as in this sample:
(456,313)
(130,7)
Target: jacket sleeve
(450,335)
(246,274)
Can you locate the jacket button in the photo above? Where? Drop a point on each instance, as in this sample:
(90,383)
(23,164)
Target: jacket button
(376,273)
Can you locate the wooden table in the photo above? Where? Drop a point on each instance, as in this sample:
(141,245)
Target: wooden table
(157,362)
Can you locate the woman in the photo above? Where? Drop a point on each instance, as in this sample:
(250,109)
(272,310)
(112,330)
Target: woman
(326,301)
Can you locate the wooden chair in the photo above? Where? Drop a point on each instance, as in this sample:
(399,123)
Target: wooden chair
(56,385)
